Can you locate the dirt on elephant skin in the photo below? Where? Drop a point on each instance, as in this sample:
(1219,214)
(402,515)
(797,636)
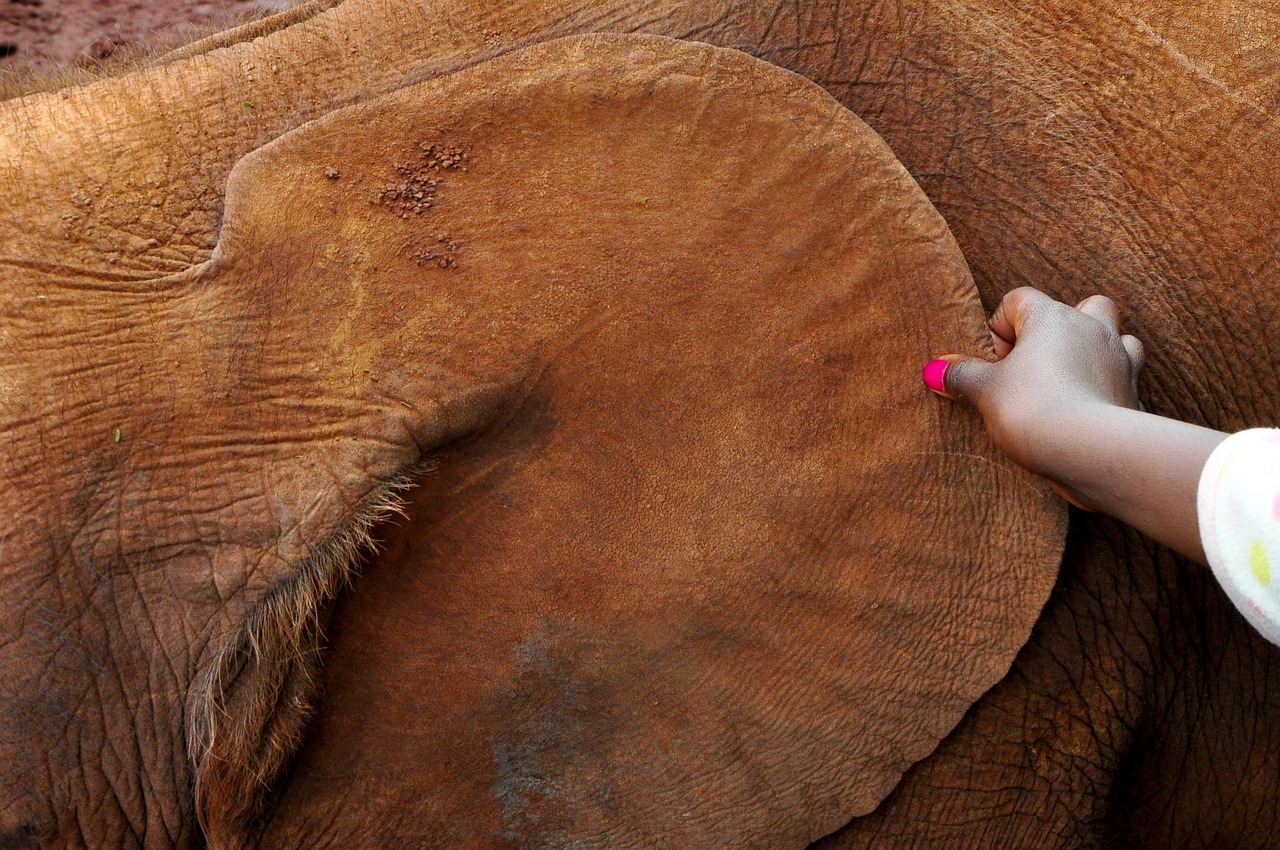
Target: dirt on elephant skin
(40,35)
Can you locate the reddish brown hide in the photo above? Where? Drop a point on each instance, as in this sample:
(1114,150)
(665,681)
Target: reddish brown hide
(718,570)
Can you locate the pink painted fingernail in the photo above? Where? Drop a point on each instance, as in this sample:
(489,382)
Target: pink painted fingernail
(933,373)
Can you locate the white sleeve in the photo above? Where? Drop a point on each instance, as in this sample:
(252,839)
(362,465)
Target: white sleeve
(1238,504)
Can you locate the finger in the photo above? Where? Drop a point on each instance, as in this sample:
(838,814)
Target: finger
(1137,357)
(1137,354)
(955,376)
(1001,345)
(1012,313)
(1103,309)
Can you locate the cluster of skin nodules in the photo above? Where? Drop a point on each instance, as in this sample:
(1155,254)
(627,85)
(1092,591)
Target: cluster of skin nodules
(443,254)
(417,189)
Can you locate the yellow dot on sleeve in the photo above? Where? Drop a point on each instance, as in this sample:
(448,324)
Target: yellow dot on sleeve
(1226,467)
(1259,564)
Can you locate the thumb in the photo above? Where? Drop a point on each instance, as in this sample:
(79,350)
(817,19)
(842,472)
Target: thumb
(956,376)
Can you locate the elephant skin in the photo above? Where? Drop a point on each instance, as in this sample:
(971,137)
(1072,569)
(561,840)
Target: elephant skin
(1073,146)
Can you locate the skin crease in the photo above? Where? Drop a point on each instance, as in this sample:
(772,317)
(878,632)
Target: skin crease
(1065,144)
(1062,401)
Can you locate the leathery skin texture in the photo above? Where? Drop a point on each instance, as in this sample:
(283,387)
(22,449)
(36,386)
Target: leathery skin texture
(1127,737)
(1075,146)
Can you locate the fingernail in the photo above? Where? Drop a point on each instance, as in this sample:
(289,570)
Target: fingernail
(933,373)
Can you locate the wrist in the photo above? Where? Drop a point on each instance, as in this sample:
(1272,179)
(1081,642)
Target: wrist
(1073,449)
(1062,443)
(1140,468)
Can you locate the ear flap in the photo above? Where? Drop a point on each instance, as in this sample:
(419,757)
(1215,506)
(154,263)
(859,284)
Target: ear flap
(714,569)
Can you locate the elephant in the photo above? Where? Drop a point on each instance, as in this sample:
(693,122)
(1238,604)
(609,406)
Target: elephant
(689,559)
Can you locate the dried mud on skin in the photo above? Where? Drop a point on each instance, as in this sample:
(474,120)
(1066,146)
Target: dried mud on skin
(417,190)
(420,181)
(444,254)
(42,35)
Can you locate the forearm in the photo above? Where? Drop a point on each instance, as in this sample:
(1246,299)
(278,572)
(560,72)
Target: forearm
(1139,468)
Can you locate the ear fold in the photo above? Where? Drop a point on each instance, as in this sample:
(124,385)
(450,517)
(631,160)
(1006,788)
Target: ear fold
(685,294)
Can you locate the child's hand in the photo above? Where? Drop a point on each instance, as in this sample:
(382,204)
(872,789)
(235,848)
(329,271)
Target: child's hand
(1059,368)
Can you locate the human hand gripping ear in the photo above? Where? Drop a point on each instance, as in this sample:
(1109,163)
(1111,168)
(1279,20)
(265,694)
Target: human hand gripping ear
(1061,400)
(1053,362)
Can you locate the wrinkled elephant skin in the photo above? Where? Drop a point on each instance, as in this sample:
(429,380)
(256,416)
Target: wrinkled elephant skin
(699,564)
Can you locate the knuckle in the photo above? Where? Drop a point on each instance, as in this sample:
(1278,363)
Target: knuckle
(1016,305)
(1100,307)
(1021,295)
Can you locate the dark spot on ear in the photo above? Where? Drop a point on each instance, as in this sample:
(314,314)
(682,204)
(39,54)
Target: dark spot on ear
(7,49)
(558,704)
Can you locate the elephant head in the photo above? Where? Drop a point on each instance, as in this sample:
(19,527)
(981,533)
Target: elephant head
(691,558)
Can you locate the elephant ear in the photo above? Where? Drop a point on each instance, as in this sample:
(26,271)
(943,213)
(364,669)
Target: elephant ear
(703,564)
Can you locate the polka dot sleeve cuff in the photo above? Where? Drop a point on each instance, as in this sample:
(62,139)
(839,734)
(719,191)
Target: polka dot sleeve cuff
(1238,503)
